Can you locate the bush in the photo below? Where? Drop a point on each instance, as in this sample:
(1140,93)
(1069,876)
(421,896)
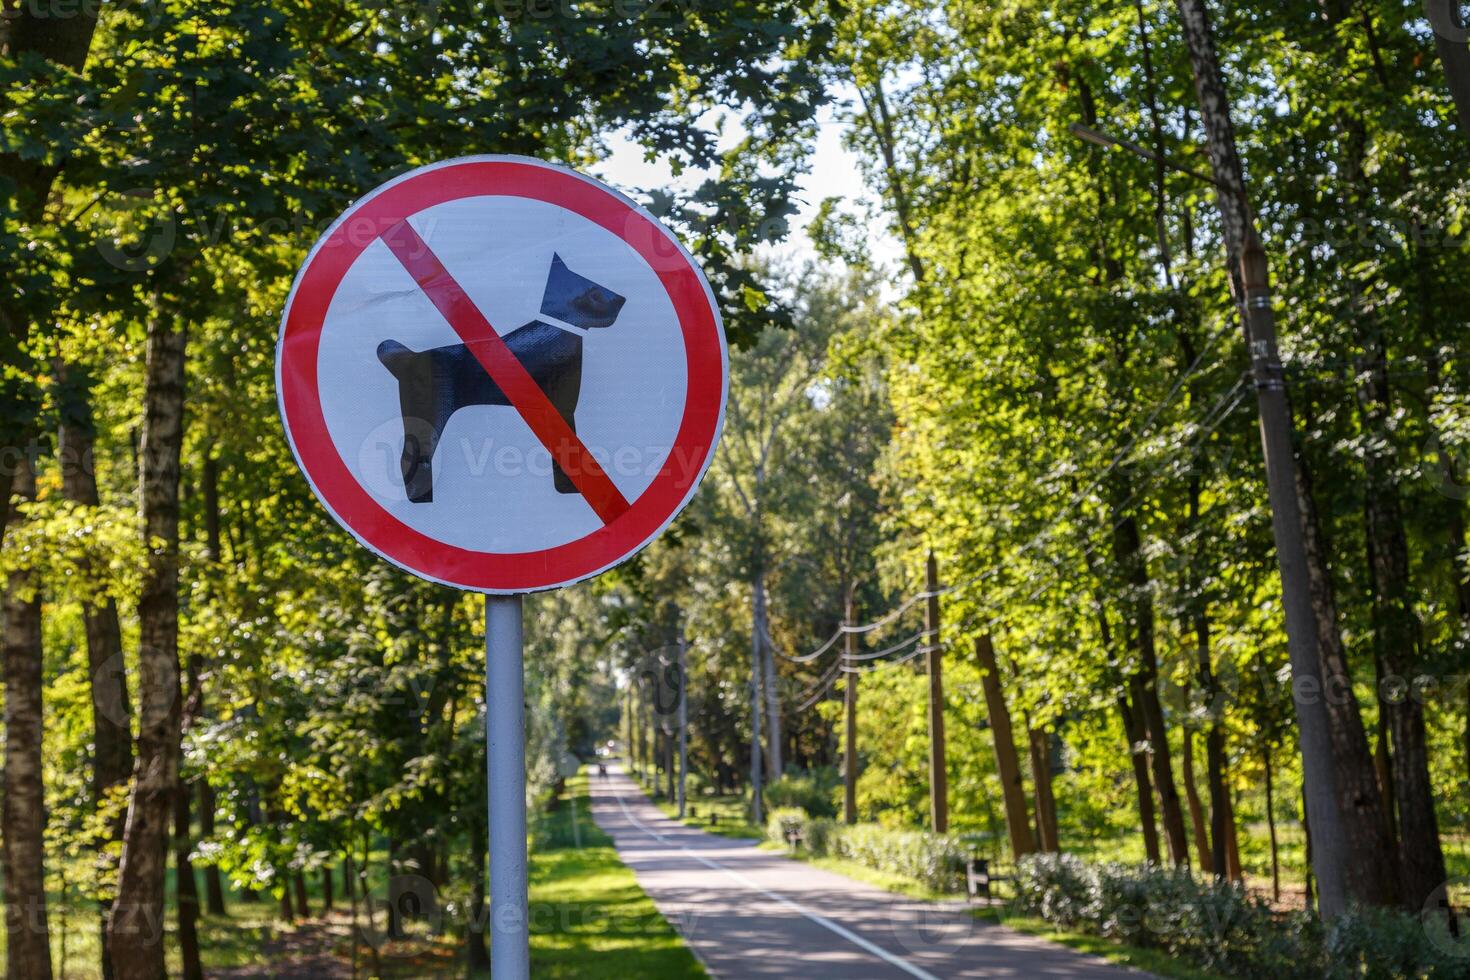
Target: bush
(1220,928)
(814,792)
(935,860)
(783,821)
(1379,944)
(819,835)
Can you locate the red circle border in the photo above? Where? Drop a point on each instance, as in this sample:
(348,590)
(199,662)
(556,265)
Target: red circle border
(356,510)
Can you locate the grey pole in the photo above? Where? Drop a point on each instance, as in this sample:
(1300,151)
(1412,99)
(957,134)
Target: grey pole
(505,734)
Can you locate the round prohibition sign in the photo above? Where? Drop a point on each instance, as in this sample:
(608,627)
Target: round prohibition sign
(406,311)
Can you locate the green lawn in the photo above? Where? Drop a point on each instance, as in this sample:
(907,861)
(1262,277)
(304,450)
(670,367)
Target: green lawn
(731,815)
(589,918)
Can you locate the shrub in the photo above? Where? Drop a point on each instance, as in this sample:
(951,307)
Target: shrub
(812,791)
(1379,944)
(935,860)
(819,835)
(1221,928)
(782,821)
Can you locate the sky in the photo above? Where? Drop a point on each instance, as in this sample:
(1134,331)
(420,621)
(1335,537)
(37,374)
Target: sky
(834,173)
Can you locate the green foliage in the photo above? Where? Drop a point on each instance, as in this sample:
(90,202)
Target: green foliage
(936,861)
(1222,929)
(783,821)
(814,792)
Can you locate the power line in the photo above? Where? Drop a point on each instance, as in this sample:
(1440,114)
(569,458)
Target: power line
(1044,534)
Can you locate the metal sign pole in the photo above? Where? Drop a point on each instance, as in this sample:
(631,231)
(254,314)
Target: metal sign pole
(505,734)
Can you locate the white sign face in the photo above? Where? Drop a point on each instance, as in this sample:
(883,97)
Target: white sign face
(501,375)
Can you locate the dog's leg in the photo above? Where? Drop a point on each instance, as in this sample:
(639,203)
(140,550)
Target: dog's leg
(564,393)
(420,439)
(560,480)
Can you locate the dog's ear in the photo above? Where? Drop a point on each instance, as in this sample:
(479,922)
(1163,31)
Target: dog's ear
(395,356)
(578,300)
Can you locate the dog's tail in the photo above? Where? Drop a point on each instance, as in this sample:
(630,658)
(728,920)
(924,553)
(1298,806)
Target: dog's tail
(395,356)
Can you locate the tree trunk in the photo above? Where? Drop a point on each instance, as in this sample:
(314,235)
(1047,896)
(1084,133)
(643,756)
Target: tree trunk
(186,885)
(849,725)
(1271,823)
(1196,812)
(1454,54)
(938,757)
(112,735)
(774,764)
(288,908)
(1382,756)
(23,812)
(186,888)
(1232,842)
(1348,864)
(1397,638)
(214,890)
(1136,749)
(478,955)
(1214,846)
(1372,876)
(213,886)
(136,927)
(1046,807)
(298,884)
(1006,762)
(327,897)
(1128,552)
(757,663)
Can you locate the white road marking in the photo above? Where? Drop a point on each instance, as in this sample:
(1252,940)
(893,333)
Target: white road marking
(820,920)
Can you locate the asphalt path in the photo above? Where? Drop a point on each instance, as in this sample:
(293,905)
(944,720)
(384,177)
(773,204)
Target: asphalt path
(753,913)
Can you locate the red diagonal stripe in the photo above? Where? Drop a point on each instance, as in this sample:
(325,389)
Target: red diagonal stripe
(506,370)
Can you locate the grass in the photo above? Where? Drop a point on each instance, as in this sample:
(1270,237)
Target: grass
(889,882)
(589,918)
(731,813)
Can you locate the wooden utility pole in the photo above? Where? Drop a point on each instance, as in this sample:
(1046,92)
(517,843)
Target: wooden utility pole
(1006,761)
(683,721)
(938,774)
(1333,853)
(849,732)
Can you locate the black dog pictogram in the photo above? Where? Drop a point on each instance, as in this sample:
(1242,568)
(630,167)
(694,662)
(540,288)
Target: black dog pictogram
(434,384)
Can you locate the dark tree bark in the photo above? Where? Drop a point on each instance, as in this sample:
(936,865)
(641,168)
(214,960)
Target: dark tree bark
(61,32)
(1232,842)
(1454,53)
(213,887)
(1128,552)
(135,929)
(186,888)
(478,954)
(1006,761)
(1351,851)
(1137,748)
(1196,811)
(1372,875)
(23,813)
(112,735)
(298,885)
(186,885)
(328,900)
(1046,807)
(214,890)
(1271,822)
(1397,638)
